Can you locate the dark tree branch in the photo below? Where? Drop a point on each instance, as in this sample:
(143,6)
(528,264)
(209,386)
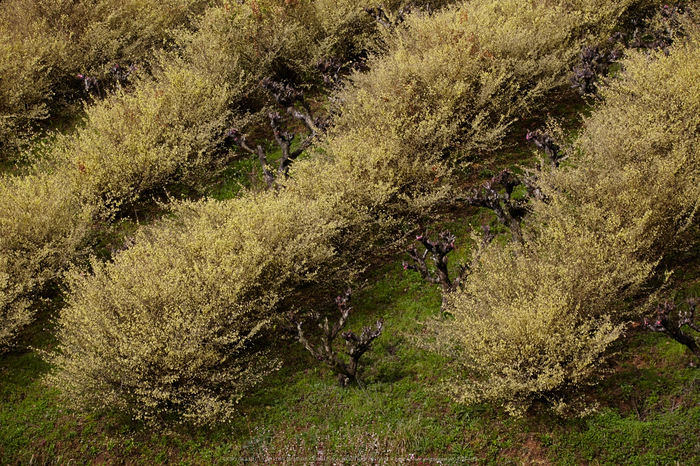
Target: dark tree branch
(355,345)
(120,74)
(284,140)
(91,84)
(546,142)
(509,211)
(233,136)
(439,251)
(286,96)
(592,65)
(267,174)
(659,35)
(332,69)
(533,189)
(671,323)
(315,126)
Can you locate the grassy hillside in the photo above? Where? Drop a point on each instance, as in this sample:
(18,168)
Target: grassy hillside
(152,178)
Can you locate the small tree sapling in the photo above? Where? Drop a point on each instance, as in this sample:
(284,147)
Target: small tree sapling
(439,251)
(355,345)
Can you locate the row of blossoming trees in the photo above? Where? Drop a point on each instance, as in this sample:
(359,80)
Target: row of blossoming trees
(172,323)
